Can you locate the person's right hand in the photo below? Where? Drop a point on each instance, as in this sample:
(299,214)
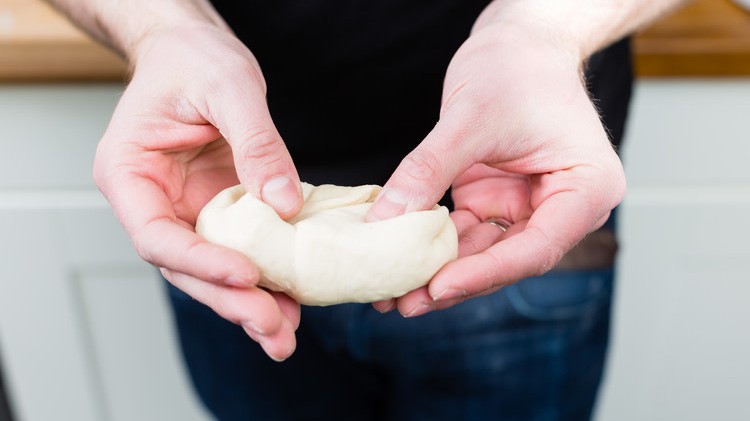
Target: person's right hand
(164,156)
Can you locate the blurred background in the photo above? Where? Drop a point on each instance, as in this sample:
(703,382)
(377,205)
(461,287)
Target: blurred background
(85,333)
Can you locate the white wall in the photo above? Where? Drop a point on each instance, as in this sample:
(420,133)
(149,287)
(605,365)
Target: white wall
(85,332)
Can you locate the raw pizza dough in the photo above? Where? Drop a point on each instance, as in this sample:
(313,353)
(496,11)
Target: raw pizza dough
(328,254)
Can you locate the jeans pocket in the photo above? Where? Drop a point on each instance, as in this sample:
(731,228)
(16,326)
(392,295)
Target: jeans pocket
(561,295)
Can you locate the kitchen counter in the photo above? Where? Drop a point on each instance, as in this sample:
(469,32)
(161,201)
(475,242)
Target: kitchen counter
(39,45)
(706,38)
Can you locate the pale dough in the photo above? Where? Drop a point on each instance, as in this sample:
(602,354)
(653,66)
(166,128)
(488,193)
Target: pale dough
(328,254)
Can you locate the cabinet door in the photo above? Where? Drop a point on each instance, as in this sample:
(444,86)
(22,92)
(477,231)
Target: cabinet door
(85,328)
(86,332)
(681,344)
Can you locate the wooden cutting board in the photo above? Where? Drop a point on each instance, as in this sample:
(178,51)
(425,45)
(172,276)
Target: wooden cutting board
(706,38)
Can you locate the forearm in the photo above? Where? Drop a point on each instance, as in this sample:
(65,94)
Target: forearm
(122,25)
(583,26)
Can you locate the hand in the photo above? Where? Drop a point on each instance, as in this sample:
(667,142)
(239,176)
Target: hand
(164,156)
(520,141)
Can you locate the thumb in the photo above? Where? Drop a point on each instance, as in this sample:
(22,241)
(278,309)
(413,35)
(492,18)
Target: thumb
(262,161)
(424,175)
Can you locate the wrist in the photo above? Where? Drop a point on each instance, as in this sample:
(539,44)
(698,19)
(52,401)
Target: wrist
(174,34)
(529,43)
(135,37)
(125,25)
(530,22)
(581,27)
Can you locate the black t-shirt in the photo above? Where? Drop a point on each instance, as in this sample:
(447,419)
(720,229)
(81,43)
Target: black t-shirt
(356,84)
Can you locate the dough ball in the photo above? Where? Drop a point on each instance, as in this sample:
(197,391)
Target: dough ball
(328,254)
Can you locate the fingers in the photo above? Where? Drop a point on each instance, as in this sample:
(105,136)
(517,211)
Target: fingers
(463,219)
(384,306)
(568,205)
(554,228)
(424,175)
(268,319)
(416,303)
(164,243)
(160,238)
(478,238)
(289,307)
(472,239)
(263,163)
(473,236)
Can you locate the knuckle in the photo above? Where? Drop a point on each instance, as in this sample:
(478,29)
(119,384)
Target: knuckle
(259,143)
(549,261)
(494,280)
(233,306)
(98,174)
(142,249)
(211,79)
(231,77)
(261,152)
(214,277)
(614,182)
(143,239)
(473,243)
(551,251)
(102,169)
(619,186)
(422,165)
(229,68)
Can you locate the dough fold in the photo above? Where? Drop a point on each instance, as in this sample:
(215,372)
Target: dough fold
(328,254)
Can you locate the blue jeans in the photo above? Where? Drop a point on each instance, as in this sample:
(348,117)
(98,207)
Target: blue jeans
(531,351)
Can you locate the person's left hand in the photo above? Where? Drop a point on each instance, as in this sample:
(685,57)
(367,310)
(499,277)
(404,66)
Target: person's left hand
(479,195)
(521,142)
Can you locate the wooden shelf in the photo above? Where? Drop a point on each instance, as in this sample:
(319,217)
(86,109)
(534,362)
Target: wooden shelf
(707,38)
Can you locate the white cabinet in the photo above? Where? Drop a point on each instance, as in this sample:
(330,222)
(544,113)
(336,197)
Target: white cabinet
(86,333)
(84,326)
(682,320)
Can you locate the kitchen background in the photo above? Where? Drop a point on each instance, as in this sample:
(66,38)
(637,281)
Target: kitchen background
(84,329)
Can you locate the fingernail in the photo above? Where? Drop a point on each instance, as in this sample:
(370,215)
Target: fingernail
(390,203)
(420,310)
(281,194)
(281,358)
(278,360)
(238,281)
(285,355)
(253,328)
(288,352)
(387,308)
(449,294)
